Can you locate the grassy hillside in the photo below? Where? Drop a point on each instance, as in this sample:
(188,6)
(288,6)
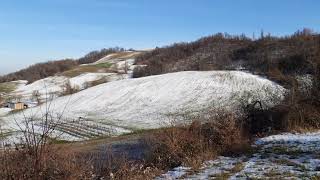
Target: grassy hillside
(86,69)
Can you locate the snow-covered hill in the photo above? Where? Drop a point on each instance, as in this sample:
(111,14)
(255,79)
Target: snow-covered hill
(149,102)
(116,66)
(52,87)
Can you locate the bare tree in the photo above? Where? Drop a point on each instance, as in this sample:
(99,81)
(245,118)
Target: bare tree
(36,96)
(69,89)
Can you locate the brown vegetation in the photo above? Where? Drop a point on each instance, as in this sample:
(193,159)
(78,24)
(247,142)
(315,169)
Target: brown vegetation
(270,56)
(95,83)
(96,55)
(54,164)
(180,144)
(68,89)
(40,71)
(86,69)
(203,139)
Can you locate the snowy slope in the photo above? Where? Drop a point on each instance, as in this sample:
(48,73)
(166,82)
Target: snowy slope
(121,64)
(4,111)
(44,86)
(54,85)
(147,102)
(81,80)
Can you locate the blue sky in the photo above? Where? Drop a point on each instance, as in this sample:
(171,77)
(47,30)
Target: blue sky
(40,30)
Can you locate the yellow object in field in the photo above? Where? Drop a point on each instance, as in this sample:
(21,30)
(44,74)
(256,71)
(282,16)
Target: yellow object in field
(19,106)
(16,105)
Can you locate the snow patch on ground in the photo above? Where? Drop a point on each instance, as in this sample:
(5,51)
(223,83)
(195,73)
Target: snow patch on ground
(175,173)
(4,111)
(81,80)
(284,156)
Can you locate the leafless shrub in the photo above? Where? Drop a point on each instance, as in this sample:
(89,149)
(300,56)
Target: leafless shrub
(95,83)
(36,96)
(139,71)
(68,89)
(297,111)
(192,144)
(56,164)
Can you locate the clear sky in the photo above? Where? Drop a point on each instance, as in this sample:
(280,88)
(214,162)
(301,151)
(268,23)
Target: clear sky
(39,30)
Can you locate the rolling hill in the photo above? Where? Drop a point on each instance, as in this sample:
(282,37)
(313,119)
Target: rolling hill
(151,102)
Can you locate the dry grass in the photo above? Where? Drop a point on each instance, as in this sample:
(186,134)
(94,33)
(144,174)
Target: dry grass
(85,69)
(190,145)
(95,83)
(7,87)
(55,164)
(125,55)
(68,89)
(63,163)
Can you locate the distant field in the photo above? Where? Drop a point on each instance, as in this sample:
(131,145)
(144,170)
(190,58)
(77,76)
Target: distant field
(104,65)
(125,55)
(7,87)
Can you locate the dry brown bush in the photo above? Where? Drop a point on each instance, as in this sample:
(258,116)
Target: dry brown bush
(296,112)
(95,83)
(63,163)
(68,89)
(55,164)
(201,140)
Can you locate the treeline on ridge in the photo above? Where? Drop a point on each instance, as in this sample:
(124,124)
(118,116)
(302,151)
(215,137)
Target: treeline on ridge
(96,55)
(267,55)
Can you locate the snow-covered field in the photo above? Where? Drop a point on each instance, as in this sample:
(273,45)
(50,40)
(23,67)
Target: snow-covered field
(150,102)
(52,87)
(4,111)
(120,63)
(284,156)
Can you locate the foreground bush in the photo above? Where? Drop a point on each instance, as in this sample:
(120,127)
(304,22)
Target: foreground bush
(192,144)
(52,164)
